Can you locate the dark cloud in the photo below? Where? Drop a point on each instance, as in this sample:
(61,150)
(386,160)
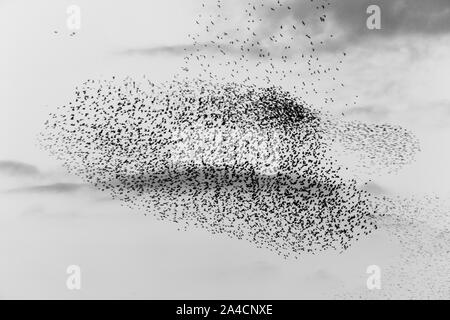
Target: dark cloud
(175,50)
(349,18)
(16,168)
(179,49)
(51,188)
(397,16)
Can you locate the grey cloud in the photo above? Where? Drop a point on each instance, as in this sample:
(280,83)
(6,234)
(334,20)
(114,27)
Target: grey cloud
(372,111)
(435,113)
(51,188)
(16,168)
(175,50)
(179,49)
(398,17)
(348,21)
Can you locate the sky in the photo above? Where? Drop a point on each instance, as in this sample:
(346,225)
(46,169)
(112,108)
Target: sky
(50,219)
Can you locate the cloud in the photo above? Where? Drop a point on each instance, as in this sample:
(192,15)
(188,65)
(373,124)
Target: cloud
(434,113)
(397,16)
(16,168)
(370,110)
(181,49)
(51,188)
(348,18)
(155,50)
(345,19)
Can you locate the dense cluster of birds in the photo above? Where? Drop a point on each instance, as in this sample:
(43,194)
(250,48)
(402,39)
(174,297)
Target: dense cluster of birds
(279,43)
(228,145)
(121,136)
(371,149)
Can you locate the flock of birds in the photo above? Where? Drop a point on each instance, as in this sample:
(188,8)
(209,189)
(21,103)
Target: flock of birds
(231,144)
(272,42)
(120,135)
(273,177)
(251,162)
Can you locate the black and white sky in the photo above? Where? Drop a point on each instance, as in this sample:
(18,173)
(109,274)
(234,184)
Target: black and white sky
(49,220)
